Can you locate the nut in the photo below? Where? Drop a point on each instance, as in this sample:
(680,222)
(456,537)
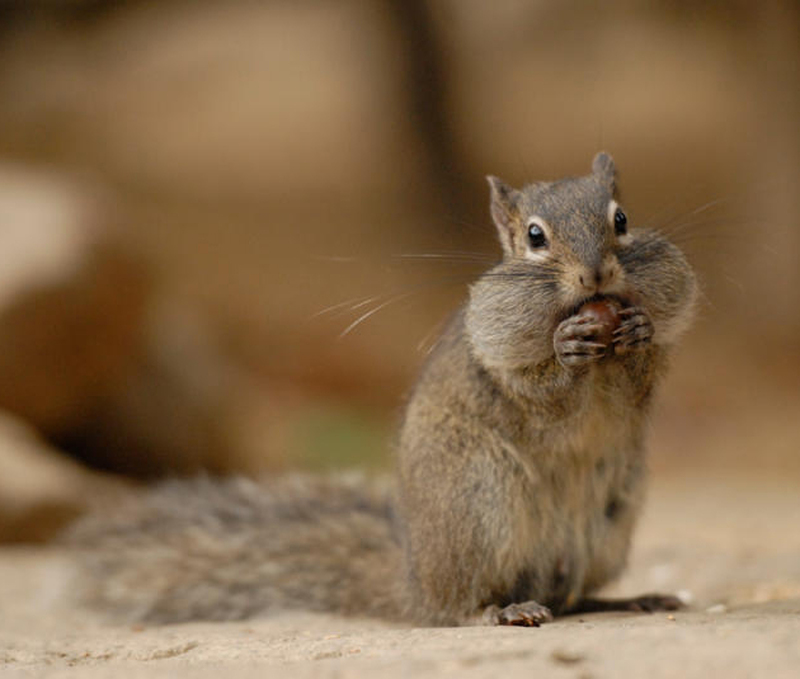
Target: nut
(603,312)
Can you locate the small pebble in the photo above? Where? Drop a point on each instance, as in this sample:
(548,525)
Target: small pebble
(566,657)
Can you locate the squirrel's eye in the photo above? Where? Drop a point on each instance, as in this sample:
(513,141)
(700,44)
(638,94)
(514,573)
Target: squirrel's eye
(536,236)
(620,223)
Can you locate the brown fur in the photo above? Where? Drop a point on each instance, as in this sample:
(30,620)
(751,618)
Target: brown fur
(520,468)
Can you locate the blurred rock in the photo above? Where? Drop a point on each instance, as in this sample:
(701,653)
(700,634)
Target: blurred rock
(72,301)
(91,354)
(170,413)
(40,489)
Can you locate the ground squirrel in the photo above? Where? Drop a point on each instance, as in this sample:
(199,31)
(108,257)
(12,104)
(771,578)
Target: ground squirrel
(520,464)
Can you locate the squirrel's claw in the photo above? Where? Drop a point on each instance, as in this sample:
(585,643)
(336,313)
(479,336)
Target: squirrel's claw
(634,332)
(526,614)
(575,341)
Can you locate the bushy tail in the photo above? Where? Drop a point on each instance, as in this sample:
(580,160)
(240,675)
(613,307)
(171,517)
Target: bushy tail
(227,549)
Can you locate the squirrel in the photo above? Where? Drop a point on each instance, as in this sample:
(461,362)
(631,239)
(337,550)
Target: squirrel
(520,466)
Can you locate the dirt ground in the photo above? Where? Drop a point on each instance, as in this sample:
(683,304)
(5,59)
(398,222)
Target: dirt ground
(730,547)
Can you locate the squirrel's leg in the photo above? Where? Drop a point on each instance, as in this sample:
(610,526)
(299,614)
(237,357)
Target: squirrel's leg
(466,538)
(648,603)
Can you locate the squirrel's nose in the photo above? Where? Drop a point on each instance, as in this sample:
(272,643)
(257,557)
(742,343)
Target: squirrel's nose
(595,279)
(589,279)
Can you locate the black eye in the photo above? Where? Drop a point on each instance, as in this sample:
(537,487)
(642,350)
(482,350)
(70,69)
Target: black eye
(536,236)
(620,223)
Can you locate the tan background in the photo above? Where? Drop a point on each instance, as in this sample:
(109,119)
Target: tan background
(186,185)
(242,166)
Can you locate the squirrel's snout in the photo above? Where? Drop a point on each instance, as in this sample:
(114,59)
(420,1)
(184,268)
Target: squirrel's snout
(597,278)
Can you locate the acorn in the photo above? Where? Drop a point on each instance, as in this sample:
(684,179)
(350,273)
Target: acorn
(604,312)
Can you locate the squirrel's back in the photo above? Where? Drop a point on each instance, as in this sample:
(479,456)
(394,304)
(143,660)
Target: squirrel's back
(228,549)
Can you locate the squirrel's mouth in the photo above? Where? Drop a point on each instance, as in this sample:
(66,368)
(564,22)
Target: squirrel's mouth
(623,302)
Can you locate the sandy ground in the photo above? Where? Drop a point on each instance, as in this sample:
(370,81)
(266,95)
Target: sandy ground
(732,548)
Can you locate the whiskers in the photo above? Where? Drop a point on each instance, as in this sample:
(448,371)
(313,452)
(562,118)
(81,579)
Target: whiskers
(374,310)
(724,236)
(726,219)
(449,256)
(367,307)
(474,265)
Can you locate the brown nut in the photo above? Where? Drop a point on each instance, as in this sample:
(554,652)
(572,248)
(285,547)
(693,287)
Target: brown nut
(604,312)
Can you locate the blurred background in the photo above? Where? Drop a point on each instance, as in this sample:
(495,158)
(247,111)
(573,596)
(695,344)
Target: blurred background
(229,232)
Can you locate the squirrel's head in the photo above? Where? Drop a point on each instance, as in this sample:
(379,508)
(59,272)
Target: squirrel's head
(575,224)
(566,242)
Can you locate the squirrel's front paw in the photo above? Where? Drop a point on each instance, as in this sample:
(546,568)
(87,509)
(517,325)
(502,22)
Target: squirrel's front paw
(634,332)
(576,341)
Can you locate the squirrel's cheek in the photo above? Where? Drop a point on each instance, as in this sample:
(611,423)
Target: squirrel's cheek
(670,330)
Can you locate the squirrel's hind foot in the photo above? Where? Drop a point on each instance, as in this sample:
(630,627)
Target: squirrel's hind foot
(648,603)
(526,614)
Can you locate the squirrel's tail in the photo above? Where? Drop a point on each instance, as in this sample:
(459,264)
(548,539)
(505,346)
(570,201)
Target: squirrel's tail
(226,549)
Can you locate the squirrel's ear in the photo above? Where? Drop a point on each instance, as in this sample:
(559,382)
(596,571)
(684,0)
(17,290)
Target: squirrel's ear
(603,167)
(504,207)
